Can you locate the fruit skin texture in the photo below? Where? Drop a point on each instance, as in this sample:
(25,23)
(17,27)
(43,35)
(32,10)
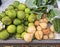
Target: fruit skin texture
(51,35)
(11,28)
(26,28)
(39,35)
(27,15)
(21,7)
(43,25)
(28,37)
(20,15)
(20,28)
(52,28)
(32,18)
(26,23)
(2,14)
(18,36)
(31,29)
(46,31)
(10,7)
(37,23)
(11,13)
(15,4)
(22,35)
(45,37)
(27,10)
(4,34)
(39,28)
(6,20)
(16,22)
(31,24)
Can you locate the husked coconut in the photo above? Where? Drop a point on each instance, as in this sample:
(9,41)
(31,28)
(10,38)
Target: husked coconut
(45,31)
(37,23)
(52,28)
(28,37)
(43,25)
(39,28)
(45,20)
(31,29)
(51,36)
(39,35)
(41,20)
(45,37)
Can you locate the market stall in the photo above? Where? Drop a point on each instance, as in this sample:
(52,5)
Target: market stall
(30,23)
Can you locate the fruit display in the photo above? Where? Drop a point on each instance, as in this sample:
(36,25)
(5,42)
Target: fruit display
(4,34)
(20,21)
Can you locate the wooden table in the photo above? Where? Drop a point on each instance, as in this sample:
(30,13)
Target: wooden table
(34,43)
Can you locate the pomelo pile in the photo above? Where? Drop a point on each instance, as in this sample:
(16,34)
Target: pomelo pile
(20,22)
(16,18)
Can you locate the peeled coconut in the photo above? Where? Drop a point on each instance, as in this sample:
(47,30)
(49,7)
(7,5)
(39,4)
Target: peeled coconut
(51,36)
(52,28)
(43,25)
(39,35)
(31,29)
(37,23)
(39,28)
(45,31)
(45,37)
(28,37)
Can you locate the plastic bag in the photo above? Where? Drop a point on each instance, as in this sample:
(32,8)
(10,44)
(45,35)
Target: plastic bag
(7,3)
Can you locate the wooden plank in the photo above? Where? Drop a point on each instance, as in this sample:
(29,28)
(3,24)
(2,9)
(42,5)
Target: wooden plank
(33,42)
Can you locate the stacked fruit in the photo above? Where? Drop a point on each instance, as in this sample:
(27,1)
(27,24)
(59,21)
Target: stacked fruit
(22,24)
(16,19)
(41,29)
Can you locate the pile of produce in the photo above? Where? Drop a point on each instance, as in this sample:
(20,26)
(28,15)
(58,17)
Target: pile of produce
(15,20)
(21,22)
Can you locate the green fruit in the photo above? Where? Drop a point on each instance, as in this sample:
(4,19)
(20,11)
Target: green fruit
(20,28)
(0,19)
(18,36)
(27,10)
(16,3)
(26,28)
(31,24)
(11,13)
(11,28)
(10,7)
(16,9)
(26,23)
(25,19)
(21,7)
(16,22)
(20,14)
(4,34)
(6,20)
(22,35)
(2,14)
(22,21)
(27,15)
(32,18)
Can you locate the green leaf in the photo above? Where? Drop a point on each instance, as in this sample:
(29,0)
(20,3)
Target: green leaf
(39,16)
(56,11)
(30,4)
(51,15)
(49,7)
(40,2)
